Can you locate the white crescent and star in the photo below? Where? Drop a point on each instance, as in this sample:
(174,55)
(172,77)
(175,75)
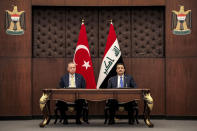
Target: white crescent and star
(86,64)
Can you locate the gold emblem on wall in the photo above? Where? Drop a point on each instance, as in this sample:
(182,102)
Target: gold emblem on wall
(181,21)
(15,22)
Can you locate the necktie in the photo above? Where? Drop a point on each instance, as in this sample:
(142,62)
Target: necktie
(121,82)
(72,82)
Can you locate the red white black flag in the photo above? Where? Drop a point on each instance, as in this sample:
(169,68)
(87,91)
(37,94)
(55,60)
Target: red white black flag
(82,59)
(112,56)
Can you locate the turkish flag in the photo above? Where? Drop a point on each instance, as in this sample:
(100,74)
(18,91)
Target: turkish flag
(82,59)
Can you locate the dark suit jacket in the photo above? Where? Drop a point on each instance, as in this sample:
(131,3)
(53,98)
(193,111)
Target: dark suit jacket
(128,82)
(79,81)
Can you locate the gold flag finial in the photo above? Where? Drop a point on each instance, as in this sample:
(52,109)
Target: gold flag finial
(111,21)
(82,21)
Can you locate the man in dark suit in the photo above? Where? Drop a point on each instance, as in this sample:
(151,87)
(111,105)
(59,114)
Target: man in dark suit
(121,80)
(71,80)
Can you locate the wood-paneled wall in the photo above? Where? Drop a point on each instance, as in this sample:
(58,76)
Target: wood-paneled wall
(181,66)
(172,80)
(15,64)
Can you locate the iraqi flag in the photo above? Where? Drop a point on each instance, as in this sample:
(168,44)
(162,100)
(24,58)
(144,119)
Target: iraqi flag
(82,59)
(112,56)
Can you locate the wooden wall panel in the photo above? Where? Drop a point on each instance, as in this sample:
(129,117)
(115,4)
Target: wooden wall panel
(181,91)
(181,45)
(181,64)
(15,87)
(149,73)
(15,64)
(148,2)
(99,2)
(46,74)
(96,66)
(15,46)
(48,2)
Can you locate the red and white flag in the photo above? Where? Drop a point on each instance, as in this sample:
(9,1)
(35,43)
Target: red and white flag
(82,59)
(112,56)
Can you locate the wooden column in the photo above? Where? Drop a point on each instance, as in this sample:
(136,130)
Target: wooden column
(181,65)
(15,64)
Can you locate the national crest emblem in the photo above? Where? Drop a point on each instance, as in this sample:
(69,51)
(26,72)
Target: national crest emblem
(15,22)
(181,21)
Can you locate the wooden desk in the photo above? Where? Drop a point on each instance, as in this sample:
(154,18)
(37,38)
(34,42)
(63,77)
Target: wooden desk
(70,95)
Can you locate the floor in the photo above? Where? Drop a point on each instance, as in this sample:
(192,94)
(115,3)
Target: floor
(97,124)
